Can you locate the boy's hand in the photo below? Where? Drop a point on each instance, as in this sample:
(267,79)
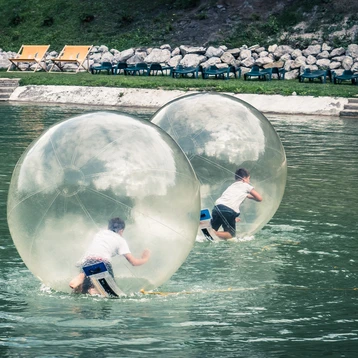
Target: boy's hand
(146,254)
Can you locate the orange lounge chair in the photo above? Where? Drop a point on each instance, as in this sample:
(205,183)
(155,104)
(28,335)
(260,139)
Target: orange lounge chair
(29,54)
(72,54)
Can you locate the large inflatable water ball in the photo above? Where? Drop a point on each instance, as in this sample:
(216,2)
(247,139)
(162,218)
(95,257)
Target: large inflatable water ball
(219,134)
(88,169)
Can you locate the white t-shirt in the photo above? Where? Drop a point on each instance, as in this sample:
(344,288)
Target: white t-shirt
(234,195)
(107,244)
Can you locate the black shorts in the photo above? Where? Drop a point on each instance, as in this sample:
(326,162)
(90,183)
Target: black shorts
(87,283)
(225,217)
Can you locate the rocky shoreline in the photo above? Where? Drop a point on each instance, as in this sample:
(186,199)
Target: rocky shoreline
(315,56)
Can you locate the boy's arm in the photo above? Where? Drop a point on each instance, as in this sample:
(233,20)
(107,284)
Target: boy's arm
(137,262)
(254,195)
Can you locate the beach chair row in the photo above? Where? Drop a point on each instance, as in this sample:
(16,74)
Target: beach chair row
(30,55)
(144,69)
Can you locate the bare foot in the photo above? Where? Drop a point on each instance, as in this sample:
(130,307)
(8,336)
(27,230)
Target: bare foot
(93,292)
(77,281)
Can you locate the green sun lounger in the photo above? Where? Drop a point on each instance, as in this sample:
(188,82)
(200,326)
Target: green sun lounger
(223,73)
(347,75)
(312,75)
(140,69)
(155,68)
(264,75)
(104,66)
(181,71)
(119,67)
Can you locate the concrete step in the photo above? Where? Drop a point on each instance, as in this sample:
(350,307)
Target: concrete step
(350,110)
(349,114)
(7,89)
(353,106)
(4,97)
(7,86)
(4,82)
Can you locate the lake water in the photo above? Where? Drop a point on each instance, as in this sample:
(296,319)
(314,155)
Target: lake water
(291,291)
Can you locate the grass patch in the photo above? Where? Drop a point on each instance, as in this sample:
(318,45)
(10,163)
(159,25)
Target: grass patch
(285,88)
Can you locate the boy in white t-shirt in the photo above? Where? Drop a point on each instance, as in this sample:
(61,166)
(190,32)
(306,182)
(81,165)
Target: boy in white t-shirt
(227,208)
(105,245)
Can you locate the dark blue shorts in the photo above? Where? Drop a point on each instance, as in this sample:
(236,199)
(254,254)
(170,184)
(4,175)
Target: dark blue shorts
(87,283)
(225,217)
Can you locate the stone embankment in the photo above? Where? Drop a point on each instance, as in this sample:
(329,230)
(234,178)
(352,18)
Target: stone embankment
(315,56)
(7,87)
(151,98)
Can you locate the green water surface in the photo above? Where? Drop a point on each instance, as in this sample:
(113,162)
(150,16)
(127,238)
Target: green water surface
(291,291)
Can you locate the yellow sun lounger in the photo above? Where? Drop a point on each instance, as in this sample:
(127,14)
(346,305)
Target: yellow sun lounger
(29,54)
(72,54)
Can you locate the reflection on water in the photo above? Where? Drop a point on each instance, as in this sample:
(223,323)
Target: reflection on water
(288,292)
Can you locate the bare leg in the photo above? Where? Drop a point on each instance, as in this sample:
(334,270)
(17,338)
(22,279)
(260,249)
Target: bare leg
(78,280)
(223,235)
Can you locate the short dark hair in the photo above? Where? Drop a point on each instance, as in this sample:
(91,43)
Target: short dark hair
(241,173)
(116,224)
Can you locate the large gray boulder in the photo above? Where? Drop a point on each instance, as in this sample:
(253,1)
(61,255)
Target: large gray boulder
(312,50)
(334,65)
(214,52)
(352,50)
(296,53)
(102,48)
(245,54)
(287,65)
(284,57)
(248,62)
(235,52)
(291,75)
(347,63)
(175,60)
(176,52)
(192,60)
(136,58)
(107,57)
(323,54)
(323,63)
(96,57)
(228,58)
(125,55)
(166,47)
(158,55)
(261,61)
(311,60)
(212,61)
(189,50)
(260,49)
(300,61)
(337,52)
(281,50)
(326,47)
(4,62)
(354,68)
(272,48)
(114,52)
